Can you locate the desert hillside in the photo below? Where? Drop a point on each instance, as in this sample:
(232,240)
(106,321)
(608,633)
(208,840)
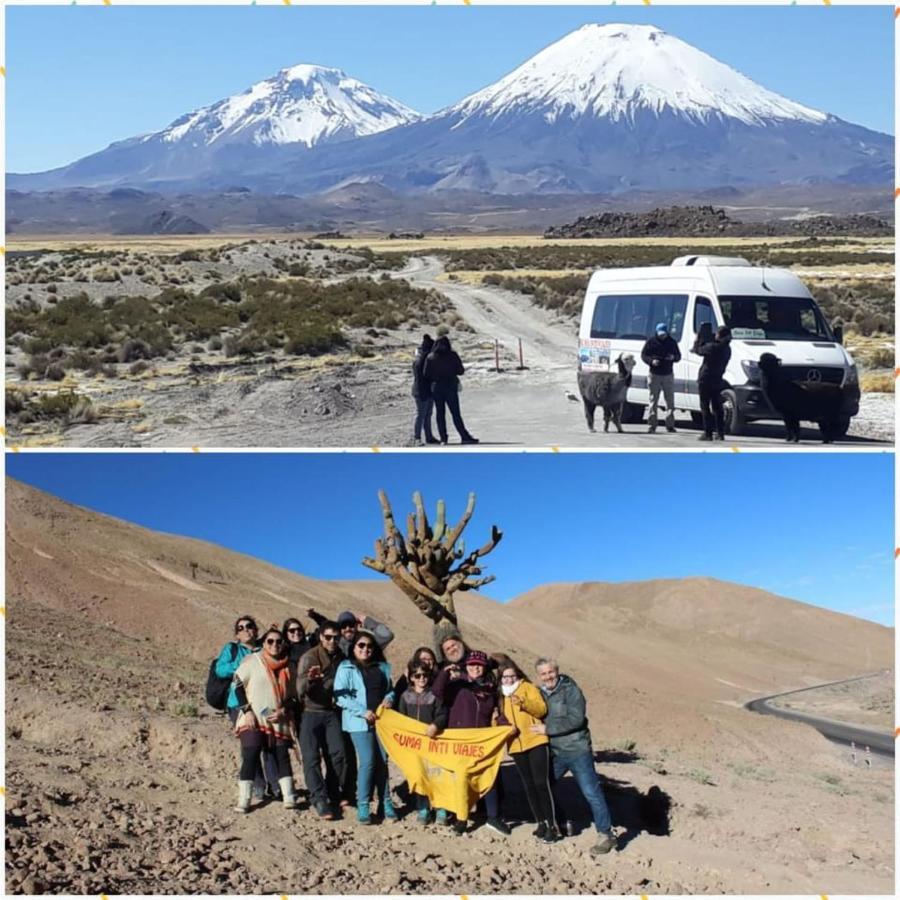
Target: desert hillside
(120,780)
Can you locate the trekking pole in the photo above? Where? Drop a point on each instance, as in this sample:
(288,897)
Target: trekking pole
(496,355)
(521,358)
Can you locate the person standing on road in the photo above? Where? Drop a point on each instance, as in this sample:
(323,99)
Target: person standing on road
(661,353)
(716,354)
(421,391)
(442,369)
(566,725)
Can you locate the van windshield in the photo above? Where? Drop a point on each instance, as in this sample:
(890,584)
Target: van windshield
(774,318)
(635,316)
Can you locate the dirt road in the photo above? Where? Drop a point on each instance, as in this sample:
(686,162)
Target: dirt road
(357,401)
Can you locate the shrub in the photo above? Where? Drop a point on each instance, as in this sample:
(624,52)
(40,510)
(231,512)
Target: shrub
(133,350)
(139,367)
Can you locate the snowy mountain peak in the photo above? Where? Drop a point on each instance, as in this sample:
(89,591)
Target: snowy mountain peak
(615,71)
(303,104)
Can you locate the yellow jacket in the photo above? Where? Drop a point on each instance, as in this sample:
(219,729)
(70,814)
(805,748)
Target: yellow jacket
(533,709)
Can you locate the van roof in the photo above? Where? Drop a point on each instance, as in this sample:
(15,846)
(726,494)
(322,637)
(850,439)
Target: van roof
(741,280)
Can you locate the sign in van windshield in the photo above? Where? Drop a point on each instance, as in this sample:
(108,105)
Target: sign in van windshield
(752,334)
(593,354)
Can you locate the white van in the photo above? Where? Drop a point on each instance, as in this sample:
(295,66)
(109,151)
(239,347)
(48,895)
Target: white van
(768,310)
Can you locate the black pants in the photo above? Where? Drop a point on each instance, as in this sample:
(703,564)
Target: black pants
(441,402)
(252,744)
(711,408)
(321,740)
(266,772)
(534,770)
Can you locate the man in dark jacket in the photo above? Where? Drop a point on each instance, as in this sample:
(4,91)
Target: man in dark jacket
(716,354)
(661,353)
(442,369)
(320,725)
(349,623)
(566,725)
(421,391)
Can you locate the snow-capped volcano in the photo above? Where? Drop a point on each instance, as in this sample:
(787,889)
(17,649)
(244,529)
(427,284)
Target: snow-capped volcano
(303,104)
(616,71)
(300,108)
(606,108)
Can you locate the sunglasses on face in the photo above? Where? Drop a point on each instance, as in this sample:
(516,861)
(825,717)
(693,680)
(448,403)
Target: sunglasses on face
(365,646)
(274,642)
(246,626)
(329,637)
(508,678)
(294,629)
(419,675)
(348,627)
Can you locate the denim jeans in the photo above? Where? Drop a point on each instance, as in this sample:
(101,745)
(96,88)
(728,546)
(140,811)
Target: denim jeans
(581,765)
(371,767)
(441,402)
(423,419)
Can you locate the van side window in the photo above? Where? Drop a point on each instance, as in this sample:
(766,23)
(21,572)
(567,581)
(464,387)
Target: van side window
(635,316)
(703,312)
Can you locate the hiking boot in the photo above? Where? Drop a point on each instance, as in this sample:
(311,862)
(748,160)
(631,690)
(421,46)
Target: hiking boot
(324,811)
(460,826)
(670,429)
(244,790)
(499,826)
(362,814)
(651,429)
(550,835)
(720,437)
(569,829)
(705,437)
(287,792)
(423,817)
(605,843)
(390,814)
(440,817)
(468,439)
(432,440)
(540,831)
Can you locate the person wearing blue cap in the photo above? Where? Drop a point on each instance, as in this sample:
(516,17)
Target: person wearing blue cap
(660,353)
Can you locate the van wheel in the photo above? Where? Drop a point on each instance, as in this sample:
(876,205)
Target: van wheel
(633,414)
(735,423)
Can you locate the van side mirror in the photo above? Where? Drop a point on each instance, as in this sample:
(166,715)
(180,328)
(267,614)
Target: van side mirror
(838,333)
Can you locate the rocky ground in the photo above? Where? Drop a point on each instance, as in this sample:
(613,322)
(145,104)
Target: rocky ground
(356,396)
(700,221)
(120,781)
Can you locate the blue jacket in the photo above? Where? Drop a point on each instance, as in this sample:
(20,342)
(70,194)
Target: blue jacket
(350,694)
(225,668)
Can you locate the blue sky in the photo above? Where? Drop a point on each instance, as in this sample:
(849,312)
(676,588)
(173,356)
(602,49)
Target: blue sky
(81,77)
(814,527)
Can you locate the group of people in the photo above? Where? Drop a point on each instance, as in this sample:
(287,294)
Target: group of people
(435,388)
(321,691)
(661,352)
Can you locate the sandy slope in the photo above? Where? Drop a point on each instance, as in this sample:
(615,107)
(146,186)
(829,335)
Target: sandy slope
(114,785)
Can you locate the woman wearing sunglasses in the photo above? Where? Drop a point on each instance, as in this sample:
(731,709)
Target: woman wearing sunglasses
(361,685)
(419,702)
(265,691)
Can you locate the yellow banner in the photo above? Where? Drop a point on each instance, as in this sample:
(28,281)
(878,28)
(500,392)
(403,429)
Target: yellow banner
(453,769)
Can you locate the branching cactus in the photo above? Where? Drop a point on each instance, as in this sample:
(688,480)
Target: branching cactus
(429,563)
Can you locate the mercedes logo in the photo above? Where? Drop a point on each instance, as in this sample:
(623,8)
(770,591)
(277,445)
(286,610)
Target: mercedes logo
(813,375)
